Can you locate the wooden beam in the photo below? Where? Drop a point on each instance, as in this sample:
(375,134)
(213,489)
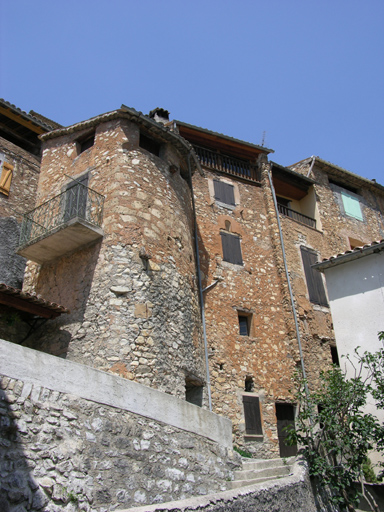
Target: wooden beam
(29,307)
(19,119)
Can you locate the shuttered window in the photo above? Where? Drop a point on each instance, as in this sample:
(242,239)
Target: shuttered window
(315,283)
(6,178)
(231,248)
(224,192)
(252,415)
(351,206)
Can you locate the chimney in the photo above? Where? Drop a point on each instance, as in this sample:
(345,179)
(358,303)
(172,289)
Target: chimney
(159,115)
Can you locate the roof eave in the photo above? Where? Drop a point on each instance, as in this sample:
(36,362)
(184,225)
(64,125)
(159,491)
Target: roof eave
(224,137)
(350,256)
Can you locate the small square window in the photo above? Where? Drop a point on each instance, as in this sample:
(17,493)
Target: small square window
(245,322)
(149,144)
(85,142)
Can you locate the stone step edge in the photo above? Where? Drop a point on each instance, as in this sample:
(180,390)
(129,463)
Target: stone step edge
(235,484)
(247,474)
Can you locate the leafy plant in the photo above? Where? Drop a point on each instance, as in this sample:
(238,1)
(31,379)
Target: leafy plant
(334,432)
(243,453)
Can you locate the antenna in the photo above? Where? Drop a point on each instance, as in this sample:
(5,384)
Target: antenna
(263,138)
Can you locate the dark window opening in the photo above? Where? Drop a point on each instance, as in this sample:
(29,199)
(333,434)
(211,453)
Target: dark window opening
(285,415)
(252,415)
(221,366)
(231,248)
(283,201)
(86,143)
(149,144)
(249,384)
(314,280)
(193,391)
(245,322)
(343,185)
(224,192)
(335,356)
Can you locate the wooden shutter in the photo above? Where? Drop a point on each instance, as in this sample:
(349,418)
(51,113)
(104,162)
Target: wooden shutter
(315,283)
(231,248)
(252,415)
(6,178)
(224,192)
(351,206)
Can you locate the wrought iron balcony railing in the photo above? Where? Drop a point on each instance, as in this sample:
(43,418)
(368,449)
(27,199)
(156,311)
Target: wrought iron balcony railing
(227,164)
(299,217)
(76,202)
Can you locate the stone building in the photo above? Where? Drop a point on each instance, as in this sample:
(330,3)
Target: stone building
(123,197)
(20,156)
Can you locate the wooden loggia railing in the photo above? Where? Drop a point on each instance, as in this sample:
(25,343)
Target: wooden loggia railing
(299,217)
(227,164)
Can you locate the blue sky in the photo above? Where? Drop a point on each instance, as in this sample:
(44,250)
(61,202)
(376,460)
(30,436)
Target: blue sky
(308,73)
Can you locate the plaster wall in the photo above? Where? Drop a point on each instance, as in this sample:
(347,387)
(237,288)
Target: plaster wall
(356,294)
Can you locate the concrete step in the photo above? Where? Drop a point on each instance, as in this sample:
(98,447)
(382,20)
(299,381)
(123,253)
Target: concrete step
(266,463)
(250,474)
(261,470)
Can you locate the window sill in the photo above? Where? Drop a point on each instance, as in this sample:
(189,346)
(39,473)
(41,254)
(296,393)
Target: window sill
(258,439)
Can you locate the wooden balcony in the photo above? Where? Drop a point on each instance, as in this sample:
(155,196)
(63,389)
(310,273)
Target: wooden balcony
(228,164)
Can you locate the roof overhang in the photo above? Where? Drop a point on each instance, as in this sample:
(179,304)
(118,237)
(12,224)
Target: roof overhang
(338,173)
(220,142)
(290,183)
(355,254)
(29,303)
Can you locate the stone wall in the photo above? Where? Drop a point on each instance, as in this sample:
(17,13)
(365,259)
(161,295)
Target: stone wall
(268,356)
(136,317)
(332,237)
(75,438)
(21,198)
(289,494)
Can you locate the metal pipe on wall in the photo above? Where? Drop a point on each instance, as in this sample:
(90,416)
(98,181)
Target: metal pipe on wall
(200,286)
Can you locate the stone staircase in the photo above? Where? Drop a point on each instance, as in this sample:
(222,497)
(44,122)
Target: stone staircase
(255,471)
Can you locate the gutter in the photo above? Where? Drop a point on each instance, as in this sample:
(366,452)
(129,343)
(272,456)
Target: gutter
(200,287)
(289,286)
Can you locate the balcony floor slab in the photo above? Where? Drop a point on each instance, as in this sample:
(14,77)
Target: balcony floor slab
(66,238)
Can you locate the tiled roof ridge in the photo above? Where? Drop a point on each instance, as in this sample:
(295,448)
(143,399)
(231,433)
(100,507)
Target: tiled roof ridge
(354,250)
(33,298)
(29,116)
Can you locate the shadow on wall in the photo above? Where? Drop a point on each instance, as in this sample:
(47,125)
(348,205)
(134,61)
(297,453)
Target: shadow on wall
(66,281)
(17,487)
(11,264)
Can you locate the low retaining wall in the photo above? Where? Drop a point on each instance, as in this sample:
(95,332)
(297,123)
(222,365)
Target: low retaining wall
(75,438)
(289,494)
